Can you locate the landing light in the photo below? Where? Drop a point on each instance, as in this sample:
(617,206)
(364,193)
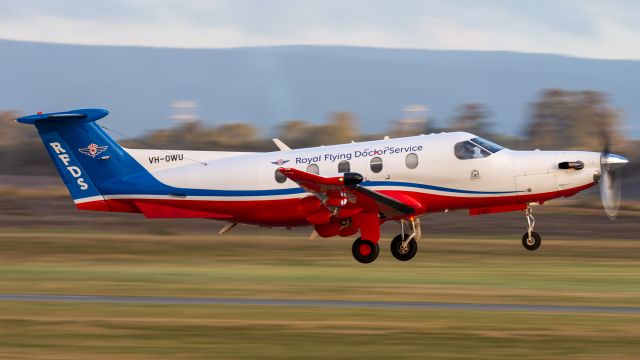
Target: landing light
(597,176)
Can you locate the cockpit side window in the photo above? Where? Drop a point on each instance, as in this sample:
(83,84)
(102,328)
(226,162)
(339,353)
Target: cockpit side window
(467,150)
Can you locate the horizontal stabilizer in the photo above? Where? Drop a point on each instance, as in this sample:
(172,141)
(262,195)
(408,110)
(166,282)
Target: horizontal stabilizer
(82,115)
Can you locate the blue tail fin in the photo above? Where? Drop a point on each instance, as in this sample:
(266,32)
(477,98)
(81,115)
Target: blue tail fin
(85,156)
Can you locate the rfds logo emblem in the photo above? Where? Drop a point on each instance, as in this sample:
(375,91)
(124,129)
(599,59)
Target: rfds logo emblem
(280,162)
(475,174)
(93,150)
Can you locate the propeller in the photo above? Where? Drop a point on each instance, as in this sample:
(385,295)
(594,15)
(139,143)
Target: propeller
(610,180)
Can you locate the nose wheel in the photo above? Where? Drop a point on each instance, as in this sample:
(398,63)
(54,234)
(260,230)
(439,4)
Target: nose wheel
(531,240)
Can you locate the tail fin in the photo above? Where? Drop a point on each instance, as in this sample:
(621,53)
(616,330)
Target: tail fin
(85,156)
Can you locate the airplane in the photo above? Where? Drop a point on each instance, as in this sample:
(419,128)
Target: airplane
(339,190)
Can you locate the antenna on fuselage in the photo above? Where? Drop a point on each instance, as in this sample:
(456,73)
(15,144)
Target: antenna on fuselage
(151,147)
(282,146)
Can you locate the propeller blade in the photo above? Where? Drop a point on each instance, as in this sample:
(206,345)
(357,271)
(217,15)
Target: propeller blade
(607,143)
(610,183)
(610,193)
(606,138)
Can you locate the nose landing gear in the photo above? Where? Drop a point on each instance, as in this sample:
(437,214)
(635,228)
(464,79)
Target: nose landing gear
(531,240)
(405,246)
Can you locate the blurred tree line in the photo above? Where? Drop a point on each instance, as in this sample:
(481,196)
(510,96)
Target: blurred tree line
(21,150)
(556,119)
(573,120)
(341,127)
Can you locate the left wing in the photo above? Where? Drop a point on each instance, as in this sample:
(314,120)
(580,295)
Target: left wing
(344,194)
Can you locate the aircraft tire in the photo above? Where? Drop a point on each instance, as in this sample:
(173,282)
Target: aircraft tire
(403,254)
(532,244)
(365,251)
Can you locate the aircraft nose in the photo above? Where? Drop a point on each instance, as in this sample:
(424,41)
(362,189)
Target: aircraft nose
(613,162)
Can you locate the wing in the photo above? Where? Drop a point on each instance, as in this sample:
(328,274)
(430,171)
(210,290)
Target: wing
(343,195)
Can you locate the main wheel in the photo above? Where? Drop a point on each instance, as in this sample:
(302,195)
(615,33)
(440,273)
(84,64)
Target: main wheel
(531,243)
(403,253)
(365,251)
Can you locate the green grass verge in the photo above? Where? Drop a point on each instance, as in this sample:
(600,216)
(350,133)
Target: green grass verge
(96,331)
(276,265)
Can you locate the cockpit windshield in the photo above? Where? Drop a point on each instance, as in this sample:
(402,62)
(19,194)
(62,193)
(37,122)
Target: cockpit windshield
(475,148)
(488,145)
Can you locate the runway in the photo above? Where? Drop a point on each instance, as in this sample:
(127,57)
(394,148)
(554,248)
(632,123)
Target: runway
(166,300)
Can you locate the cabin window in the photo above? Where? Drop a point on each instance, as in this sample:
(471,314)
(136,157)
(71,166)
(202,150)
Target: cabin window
(280,177)
(314,169)
(376,164)
(411,160)
(467,150)
(344,166)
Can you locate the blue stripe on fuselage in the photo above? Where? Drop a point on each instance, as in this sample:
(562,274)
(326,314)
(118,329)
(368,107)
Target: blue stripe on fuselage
(133,187)
(433,187)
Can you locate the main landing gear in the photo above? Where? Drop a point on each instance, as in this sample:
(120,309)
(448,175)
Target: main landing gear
(403,247)
(531,240)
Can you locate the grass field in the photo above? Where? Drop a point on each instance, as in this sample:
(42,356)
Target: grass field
(278,264)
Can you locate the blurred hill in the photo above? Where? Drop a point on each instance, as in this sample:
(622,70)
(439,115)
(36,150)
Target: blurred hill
(268,85)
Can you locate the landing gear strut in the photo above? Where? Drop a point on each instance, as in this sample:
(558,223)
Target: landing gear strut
(365,249)
(405,246)
(531,240)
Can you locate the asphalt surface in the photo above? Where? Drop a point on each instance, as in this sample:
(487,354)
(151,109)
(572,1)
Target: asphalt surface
(314,303)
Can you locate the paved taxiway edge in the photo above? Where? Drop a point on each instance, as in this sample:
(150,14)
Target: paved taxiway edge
(313,303)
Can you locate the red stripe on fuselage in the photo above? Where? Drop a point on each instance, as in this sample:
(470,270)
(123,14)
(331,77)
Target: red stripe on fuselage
(285,212)
(98,205)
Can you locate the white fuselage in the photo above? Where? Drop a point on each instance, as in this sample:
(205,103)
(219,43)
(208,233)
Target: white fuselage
(504,173)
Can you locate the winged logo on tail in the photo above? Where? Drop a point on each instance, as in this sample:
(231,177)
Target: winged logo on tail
(93,150)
